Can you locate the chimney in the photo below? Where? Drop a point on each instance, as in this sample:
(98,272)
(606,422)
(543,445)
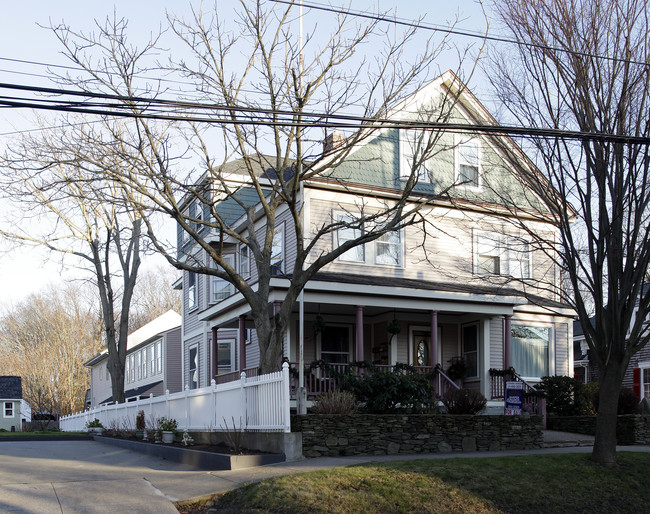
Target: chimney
(333,140)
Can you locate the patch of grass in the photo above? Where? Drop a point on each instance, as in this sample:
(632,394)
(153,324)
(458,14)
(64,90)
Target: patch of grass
(539,483)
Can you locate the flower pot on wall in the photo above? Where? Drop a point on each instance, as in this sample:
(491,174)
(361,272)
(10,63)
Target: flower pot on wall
(167,436)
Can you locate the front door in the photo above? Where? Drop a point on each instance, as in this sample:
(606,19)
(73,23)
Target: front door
(421,346)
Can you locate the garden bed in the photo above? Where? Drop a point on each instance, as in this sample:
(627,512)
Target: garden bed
(202,456)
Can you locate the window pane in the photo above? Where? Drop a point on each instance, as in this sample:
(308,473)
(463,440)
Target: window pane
(335,344)
(277,251)
(530,350)
(194,368)
(388,249)
(224,358)
(345,234)
(470,349)
(412,146)
(468,164)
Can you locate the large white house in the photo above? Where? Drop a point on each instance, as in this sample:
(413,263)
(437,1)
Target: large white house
(475,288)
(153,362)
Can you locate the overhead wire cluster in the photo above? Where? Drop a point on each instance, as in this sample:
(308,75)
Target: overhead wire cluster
(177,110)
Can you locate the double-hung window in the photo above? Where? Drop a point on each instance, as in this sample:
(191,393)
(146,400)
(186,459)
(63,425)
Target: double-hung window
(138,363)
(159,357)
(348,233)
(8,410)
(244,261)
(470,349)
(151,354)
(468,163)
(412,145)
(191,290)
(498,254)
(489,253)
(277,250)
(221,288)
(127,370)
(389,249)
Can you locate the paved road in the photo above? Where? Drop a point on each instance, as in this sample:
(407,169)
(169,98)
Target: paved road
(91,477)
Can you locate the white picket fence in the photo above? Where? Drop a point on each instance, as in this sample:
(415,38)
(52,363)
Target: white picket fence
(258,404)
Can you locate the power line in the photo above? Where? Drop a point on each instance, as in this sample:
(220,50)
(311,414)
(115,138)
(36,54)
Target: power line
(131,107)
(456,32)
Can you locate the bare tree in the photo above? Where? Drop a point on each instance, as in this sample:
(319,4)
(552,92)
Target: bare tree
(581,65)
(154,295)
(45,339)
(272,111)
(53,181)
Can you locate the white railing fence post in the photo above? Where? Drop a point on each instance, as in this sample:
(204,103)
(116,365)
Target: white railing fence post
(285,397)
(167,402)
(213,403)
(187,407)
(244,406)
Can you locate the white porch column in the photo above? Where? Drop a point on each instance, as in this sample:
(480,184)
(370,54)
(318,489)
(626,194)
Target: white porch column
(433,340)
(359,334)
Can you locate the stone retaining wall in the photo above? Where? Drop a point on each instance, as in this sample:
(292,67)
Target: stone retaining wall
(374,434)
(630,428)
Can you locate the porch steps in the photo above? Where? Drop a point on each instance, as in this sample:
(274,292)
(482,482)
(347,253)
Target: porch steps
(556,439)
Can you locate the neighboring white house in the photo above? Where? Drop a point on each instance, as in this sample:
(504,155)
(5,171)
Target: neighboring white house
(466,304)
(15,411)
(153,362)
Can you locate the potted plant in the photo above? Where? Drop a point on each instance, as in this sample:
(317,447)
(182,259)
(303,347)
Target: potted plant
(139,425)
(95,427)
(168,428)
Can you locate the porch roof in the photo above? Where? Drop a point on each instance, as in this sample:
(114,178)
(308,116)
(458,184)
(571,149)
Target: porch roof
(344,289)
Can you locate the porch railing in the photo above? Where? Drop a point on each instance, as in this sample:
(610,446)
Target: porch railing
(323,379)
(224,378)
(533,402)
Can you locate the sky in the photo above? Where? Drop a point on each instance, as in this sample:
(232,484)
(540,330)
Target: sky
(22,38)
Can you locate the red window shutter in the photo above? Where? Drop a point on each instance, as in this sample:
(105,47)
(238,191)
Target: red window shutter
(636,382)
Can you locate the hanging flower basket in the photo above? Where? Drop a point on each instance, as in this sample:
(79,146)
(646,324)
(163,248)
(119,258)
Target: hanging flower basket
(394,327)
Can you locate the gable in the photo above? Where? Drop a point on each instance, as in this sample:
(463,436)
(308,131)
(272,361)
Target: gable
(11,387)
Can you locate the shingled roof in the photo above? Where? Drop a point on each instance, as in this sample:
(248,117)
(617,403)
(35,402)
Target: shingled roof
(11,388)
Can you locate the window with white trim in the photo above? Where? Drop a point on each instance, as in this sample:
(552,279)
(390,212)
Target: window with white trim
(133,370)
(138,363)
(158,351)
(198,214)
(220,289)
(225,356)
(277,250)
(151,357)
(8,410)
(498,254)
(244,261)
(127,370)
(194,367)
(389,249)
(530,349)
(412,145)
(345,234)
(468,163)
(192,292)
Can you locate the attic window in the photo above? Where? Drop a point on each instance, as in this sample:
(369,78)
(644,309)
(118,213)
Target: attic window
(412,144)
(468,163)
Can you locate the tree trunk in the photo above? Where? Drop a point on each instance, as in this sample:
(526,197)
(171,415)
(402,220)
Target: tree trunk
(604,452)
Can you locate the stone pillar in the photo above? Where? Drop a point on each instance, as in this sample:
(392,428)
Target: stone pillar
(242,343)
(359,334)
(507,342)
(433,340)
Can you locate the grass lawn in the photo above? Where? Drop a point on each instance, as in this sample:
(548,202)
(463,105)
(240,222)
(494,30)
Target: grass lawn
(527,484)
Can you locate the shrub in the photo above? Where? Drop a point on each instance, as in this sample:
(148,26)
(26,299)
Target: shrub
(95,423)
(463,401)
(628,401)
(335,402)
(385,391)
(563,395)
(589,392)
(139,421)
